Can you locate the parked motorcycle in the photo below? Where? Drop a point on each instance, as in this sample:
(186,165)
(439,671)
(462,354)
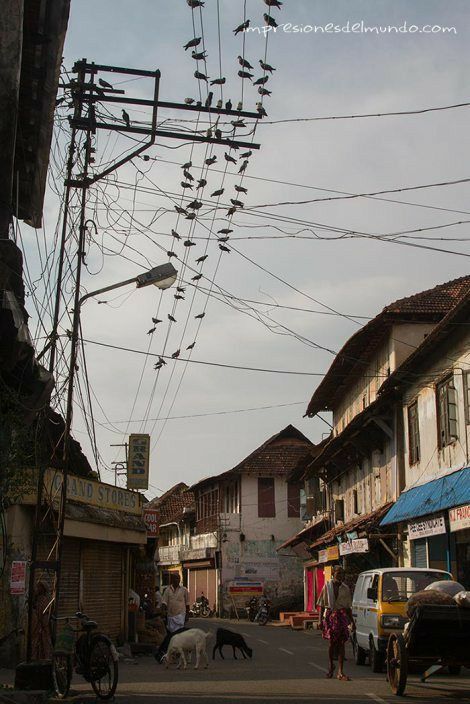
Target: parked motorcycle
(263,611)
(201,607)
(252,607)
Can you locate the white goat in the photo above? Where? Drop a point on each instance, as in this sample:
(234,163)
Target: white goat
(183,643)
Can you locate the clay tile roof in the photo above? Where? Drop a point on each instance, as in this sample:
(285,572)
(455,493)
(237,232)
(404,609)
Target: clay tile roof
(172,504)
(427,306)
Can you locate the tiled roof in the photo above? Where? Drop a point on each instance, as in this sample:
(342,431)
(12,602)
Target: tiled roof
(172,503)
(430,306)
(279,455)
(362,524)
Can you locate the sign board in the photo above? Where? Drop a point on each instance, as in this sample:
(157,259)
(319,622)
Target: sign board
(329,555)
(459,518)
(87,491)
(245,587)
(18,577)
(150,517)
(138,461)
(359,545)
(426,527)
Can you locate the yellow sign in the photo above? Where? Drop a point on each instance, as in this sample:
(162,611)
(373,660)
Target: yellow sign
(332,553)
(138,461)
(87,491)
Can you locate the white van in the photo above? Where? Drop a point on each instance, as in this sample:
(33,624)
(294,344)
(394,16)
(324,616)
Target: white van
(379,607)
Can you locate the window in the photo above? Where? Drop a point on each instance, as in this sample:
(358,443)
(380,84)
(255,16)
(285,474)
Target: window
(339,509)
(446,412)
(355,502)
(466,391)
(293,500)
(266,498)
(207,504)
(413,434)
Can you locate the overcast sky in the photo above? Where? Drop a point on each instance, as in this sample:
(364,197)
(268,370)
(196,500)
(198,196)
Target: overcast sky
(317,74)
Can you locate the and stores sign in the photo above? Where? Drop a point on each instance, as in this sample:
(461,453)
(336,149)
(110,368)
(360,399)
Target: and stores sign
(138,461)
(459,518)
(87,491)
(426,528)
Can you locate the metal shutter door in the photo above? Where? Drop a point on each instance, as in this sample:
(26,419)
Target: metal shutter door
(102,586)
(69,598)
(419,551)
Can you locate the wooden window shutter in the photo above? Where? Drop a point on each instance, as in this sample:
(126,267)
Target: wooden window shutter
(293,500)
(266,498)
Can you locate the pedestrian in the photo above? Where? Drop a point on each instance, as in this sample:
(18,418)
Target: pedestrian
(336,620)
(175,606)
(158,599)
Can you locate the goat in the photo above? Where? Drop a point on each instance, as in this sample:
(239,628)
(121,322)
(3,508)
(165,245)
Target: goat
(187,641)
(226,637)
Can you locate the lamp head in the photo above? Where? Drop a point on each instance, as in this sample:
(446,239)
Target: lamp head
(162,276)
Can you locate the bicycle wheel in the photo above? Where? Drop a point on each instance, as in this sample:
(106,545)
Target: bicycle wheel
(61,674)
(103,667)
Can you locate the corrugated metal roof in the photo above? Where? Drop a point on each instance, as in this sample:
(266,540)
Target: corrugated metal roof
(446,492)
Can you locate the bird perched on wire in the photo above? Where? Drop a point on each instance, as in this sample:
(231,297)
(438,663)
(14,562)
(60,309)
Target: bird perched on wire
(178,297)
(245,74)
(223,239)
(176,354)
(180,289)
(236,203)
(231,211)
(200,316)
(152,330)
(172,254)
(242,168)
(241,27)
(192,43)
(104,84)
(244,63)
(224,231)
(195,3)
(199,56)
(240,189)
(246,155)
(191,346)
(186,185)
(218,82)
(201,183)
(191,216)
(126,118)
(229,158)
(189,101)
(188,243)
(202,259)
(200,76)
(224,248)
(211,160)
(171,318)
(155,321)
(179,210)
(187,165)
(159,364)
(187,175)
(239,106)
(218,192)
(270,21)
(208,101)
(237,123)
(273,3)
(197,277)
(261,81)
(175,235)
(263,91)
(218,133)
(228,105)
(195,205)
(266,67)
(209,133)
(262,112)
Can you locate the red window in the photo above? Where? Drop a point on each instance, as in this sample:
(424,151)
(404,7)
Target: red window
(266,498)
(293,500)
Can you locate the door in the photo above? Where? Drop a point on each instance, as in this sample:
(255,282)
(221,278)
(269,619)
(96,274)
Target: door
(102,581)
(309,585)
(204,581)
(319,583)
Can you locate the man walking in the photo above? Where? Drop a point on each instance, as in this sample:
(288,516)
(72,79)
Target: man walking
(175,605)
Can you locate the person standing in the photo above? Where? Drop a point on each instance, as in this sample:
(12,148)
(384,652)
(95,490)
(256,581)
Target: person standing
(175,606)
(336,619)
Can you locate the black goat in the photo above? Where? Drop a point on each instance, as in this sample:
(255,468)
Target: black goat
(226,637)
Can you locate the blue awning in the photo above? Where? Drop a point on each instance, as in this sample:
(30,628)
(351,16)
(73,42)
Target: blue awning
(446,492)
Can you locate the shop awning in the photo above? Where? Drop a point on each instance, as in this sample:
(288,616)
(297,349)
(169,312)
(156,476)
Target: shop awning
(361,524)
(445,492)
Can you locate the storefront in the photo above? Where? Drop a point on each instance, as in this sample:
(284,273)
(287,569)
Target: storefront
(459,526)
(202,578)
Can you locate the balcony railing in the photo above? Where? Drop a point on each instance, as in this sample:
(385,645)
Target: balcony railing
(168,554)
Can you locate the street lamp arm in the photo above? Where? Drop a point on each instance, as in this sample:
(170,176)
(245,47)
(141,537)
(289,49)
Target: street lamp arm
(105,289)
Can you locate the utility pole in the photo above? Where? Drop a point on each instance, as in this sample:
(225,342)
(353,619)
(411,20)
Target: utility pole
(50,518)
(121,464)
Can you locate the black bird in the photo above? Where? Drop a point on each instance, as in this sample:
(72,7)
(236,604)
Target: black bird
(270,21)
(180,289)
(193,42)
(199,56)
(178,297)
(236,203)
(179,210)
(218,192)
(191,216)
(126,118)
(218,82)
(191,346)
(195,205)
(171,318)
(218,134)
(231,211)
(241,27)
(243,62)
(225,231)
(209,133)
(161,361)
(172,254)
(245,74)
(200,316)
(201,183)
(104,84)
(189,101)
(175,235)
(186,185)
(188,243)
(273,3)
(246,155)
(197,277)
(261,81)
(211,160)
(198,104)
(187,165)
(176,354)
(224,248)
(237,123)
(152,330)
(187,175)
(228,105)
(158,365)
(240,189)
(263,91)
(223,239)
(200,76)
(266,67)
(196,3)
(229,158)
(242,168)
(208,102)
(155,321)
(202,259)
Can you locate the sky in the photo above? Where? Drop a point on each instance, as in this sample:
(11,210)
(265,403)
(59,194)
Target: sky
(329,283)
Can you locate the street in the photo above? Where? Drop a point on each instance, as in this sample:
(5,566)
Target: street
(287,666)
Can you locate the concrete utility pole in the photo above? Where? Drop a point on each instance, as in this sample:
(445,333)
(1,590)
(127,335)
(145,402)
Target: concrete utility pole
(85,93)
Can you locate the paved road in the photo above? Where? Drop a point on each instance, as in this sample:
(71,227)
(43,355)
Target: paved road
(287,666)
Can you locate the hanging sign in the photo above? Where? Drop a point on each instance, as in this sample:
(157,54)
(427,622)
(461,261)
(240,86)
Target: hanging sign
(322,556)
(426,527)
(359,545)
(138,461)
(459,518)
(18,577)
(151,522)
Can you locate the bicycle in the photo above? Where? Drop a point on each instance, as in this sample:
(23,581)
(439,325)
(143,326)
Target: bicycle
(95,656)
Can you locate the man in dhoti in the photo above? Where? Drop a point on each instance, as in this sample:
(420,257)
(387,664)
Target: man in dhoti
(175,605)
